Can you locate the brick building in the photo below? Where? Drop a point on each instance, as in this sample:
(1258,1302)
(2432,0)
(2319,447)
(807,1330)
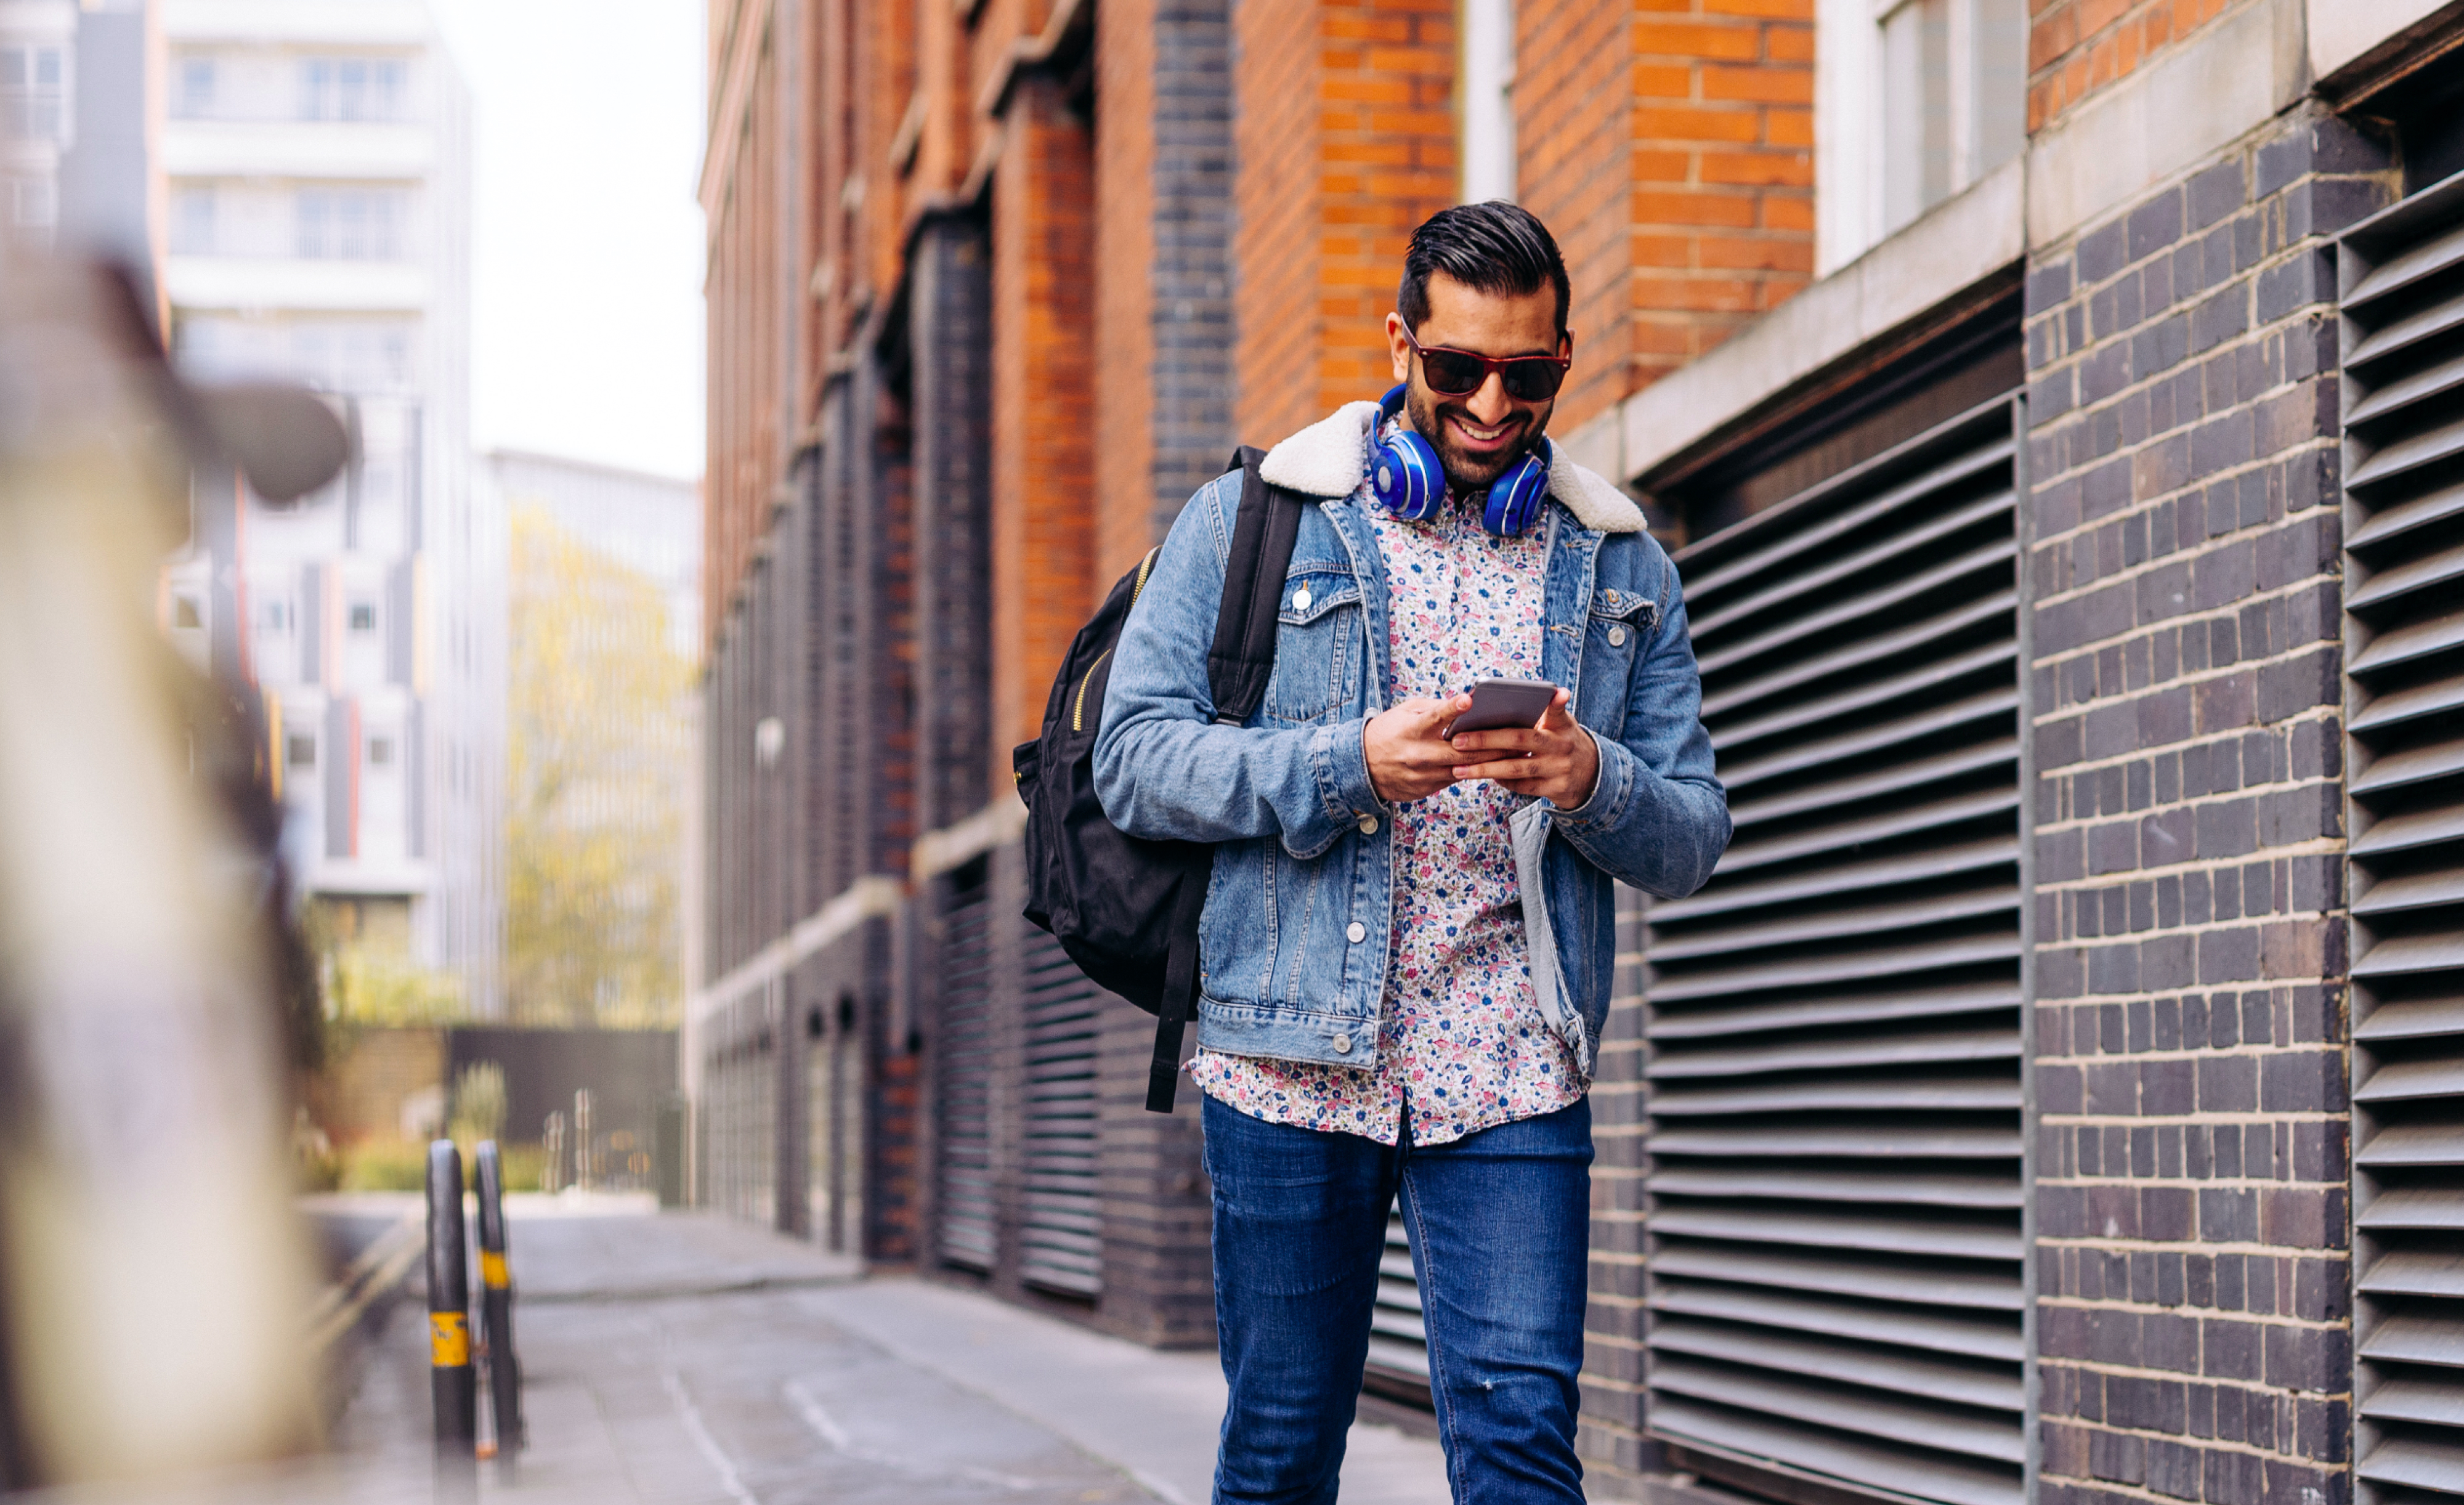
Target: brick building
(2053,407)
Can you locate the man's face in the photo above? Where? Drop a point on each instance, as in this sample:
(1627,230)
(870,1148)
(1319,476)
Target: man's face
(1479,433)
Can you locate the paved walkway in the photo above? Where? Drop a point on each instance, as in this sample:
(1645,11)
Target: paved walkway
(688,1360)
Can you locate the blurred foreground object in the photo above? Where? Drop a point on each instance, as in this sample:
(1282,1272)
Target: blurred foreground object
(152,1283)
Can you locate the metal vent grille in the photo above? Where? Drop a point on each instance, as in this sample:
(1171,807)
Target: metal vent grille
(2403,293)
(1399,1336)
(964,1160)
(1836,1194)
(1063,1221)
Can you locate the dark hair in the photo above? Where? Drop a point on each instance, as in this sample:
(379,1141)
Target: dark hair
(1494,248)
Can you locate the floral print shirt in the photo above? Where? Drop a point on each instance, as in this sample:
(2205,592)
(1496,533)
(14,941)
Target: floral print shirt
(1463,1043)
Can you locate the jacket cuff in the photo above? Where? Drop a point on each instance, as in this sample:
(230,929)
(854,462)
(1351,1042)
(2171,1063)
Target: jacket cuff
(1341,754)
(1609,785)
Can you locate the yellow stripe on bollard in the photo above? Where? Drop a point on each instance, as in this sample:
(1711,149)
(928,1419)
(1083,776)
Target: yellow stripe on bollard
(491,1271)
(449,1339)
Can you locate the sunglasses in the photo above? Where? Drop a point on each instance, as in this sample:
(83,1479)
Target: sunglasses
(1459,373)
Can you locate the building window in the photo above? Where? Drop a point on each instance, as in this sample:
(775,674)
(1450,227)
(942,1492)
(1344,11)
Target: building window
(350,224)
(380,752)
(1954,98)
(301,751)
(186,614)
(33,206)
(34,92)
(364,617)
(192,222)
(353,88)
(1914,101)
(353,356)
(274,615)
(193,89)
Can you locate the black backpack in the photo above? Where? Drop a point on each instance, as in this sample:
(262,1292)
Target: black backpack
(1127,909)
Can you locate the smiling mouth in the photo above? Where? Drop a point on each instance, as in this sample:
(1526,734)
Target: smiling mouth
(1478,437)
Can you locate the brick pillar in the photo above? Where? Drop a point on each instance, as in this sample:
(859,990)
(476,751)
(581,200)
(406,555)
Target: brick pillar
(1346,141)
(1670,146)
(1124,300)
(1611,1440)
(2193,1330)
(1043,419)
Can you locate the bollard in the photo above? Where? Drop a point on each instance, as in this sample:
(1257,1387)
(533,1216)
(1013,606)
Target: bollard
(552,1174)
(454,1385)
(497,1308)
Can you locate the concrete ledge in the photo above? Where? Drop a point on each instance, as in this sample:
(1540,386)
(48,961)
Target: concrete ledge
(2346,31)
(1958,244)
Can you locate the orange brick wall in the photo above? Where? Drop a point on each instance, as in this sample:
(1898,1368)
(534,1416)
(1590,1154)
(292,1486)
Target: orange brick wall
(1044,410)
(1275,237)
(751,312)
(1125,58)
(1572,142)
(1347,140)
(1670,147)
(2077,47)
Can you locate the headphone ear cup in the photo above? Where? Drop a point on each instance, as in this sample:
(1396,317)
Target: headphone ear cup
(1407,478)
(1514,497)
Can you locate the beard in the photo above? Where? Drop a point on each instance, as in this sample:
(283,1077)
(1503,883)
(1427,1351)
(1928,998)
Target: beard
(1466,475)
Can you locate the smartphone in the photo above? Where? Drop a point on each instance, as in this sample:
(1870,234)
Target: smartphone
(1503,702)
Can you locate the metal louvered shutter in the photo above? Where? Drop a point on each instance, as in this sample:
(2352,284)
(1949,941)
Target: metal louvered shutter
(963,1158)
(2403,293)
(1836,1197)
(1399,1336)
(1064,1222)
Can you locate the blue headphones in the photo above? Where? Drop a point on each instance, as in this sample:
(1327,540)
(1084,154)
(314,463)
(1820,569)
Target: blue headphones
(1410,483)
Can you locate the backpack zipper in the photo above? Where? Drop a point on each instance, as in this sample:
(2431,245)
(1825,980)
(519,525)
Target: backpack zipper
(1078,709)
(1078,713)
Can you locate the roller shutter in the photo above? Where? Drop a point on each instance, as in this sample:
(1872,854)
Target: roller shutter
(1837,1192)
(2402,276)
(1063,1219)
(962,1152)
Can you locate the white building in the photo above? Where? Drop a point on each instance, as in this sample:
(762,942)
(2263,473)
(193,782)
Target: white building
(650,524)
(318,159)
(38,113)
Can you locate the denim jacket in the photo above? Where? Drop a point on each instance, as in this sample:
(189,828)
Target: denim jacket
(1293,947)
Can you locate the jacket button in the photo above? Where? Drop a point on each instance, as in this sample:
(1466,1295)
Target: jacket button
(1343,1044)
(1355,932)
(1616,638)
(1301,599)
(1369,825)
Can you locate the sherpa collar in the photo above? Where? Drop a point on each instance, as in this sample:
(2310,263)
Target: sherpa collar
(1330,457)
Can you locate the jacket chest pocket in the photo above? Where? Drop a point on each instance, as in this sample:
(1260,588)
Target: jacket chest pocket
(1613,639)
(1317,645)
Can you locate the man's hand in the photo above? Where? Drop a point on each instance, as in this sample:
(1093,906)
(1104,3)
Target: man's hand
(1407,759)
(1555,760)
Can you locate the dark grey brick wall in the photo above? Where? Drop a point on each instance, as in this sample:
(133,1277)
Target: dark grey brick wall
(2194,1340)
(950,335)
(1616,1453)
(1192,318)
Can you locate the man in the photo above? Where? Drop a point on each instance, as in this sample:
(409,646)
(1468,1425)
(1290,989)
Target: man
(1408,940)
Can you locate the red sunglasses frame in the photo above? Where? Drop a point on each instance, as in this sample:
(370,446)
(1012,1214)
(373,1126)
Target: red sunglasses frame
(1488,363)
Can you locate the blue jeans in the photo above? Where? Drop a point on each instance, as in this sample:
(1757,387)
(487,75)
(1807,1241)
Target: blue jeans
(1500,1231)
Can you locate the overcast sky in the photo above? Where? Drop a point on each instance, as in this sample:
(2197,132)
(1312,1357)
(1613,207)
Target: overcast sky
(586,335)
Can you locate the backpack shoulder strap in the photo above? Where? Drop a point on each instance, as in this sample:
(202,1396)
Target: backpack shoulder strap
(1237,668)
(1262,536)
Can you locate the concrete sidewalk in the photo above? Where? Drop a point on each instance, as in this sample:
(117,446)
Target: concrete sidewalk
(684,1359)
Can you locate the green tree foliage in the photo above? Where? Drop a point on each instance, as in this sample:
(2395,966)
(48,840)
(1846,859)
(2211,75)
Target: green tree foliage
(478,1111)
(598,758)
